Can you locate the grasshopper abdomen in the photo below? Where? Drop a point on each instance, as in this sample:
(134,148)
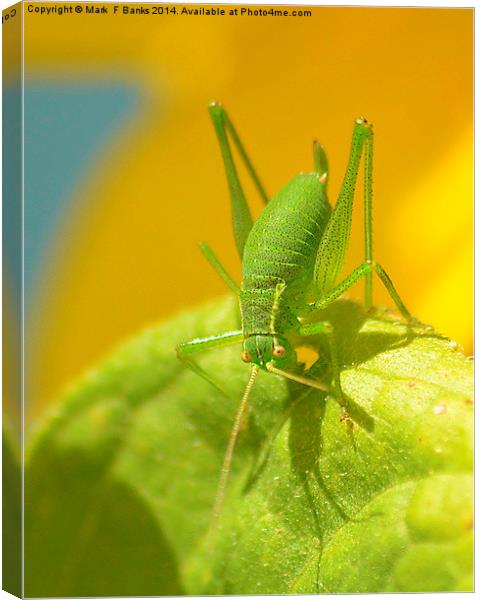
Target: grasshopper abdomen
(279,256)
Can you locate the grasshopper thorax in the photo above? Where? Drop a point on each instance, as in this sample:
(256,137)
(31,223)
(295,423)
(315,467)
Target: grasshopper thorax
(264,349)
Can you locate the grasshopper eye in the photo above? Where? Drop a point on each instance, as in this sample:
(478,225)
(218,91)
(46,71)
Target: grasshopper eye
(246,356)
(278,351)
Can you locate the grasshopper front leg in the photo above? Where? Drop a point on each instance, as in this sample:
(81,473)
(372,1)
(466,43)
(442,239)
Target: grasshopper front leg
(186,349)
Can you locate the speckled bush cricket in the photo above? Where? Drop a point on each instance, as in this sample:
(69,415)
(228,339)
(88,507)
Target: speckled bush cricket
(291,260)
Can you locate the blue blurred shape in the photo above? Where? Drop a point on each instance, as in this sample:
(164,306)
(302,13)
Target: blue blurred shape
(12,193)
(66,129)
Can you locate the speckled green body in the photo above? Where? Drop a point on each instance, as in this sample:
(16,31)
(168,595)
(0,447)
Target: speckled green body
(279,257)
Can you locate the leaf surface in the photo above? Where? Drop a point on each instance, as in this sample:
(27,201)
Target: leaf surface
(122,475)
(11,509)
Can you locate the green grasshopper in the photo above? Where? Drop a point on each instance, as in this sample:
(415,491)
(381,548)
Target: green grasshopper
(291,260)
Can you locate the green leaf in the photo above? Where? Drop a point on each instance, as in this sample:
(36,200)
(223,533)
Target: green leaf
(12,510)
(122,476)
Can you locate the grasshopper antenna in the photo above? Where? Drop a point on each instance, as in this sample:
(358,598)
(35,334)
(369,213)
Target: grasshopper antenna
(298,378)
(227,460)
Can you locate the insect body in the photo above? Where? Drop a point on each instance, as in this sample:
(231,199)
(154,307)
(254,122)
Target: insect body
(291,260)
(278,267)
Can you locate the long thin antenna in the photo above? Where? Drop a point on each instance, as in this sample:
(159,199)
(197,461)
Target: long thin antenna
(227,461)
(298,378)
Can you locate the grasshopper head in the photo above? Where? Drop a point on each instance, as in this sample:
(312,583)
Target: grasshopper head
(264,349)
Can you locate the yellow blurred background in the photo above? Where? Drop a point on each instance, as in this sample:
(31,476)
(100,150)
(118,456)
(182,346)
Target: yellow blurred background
(125,254)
